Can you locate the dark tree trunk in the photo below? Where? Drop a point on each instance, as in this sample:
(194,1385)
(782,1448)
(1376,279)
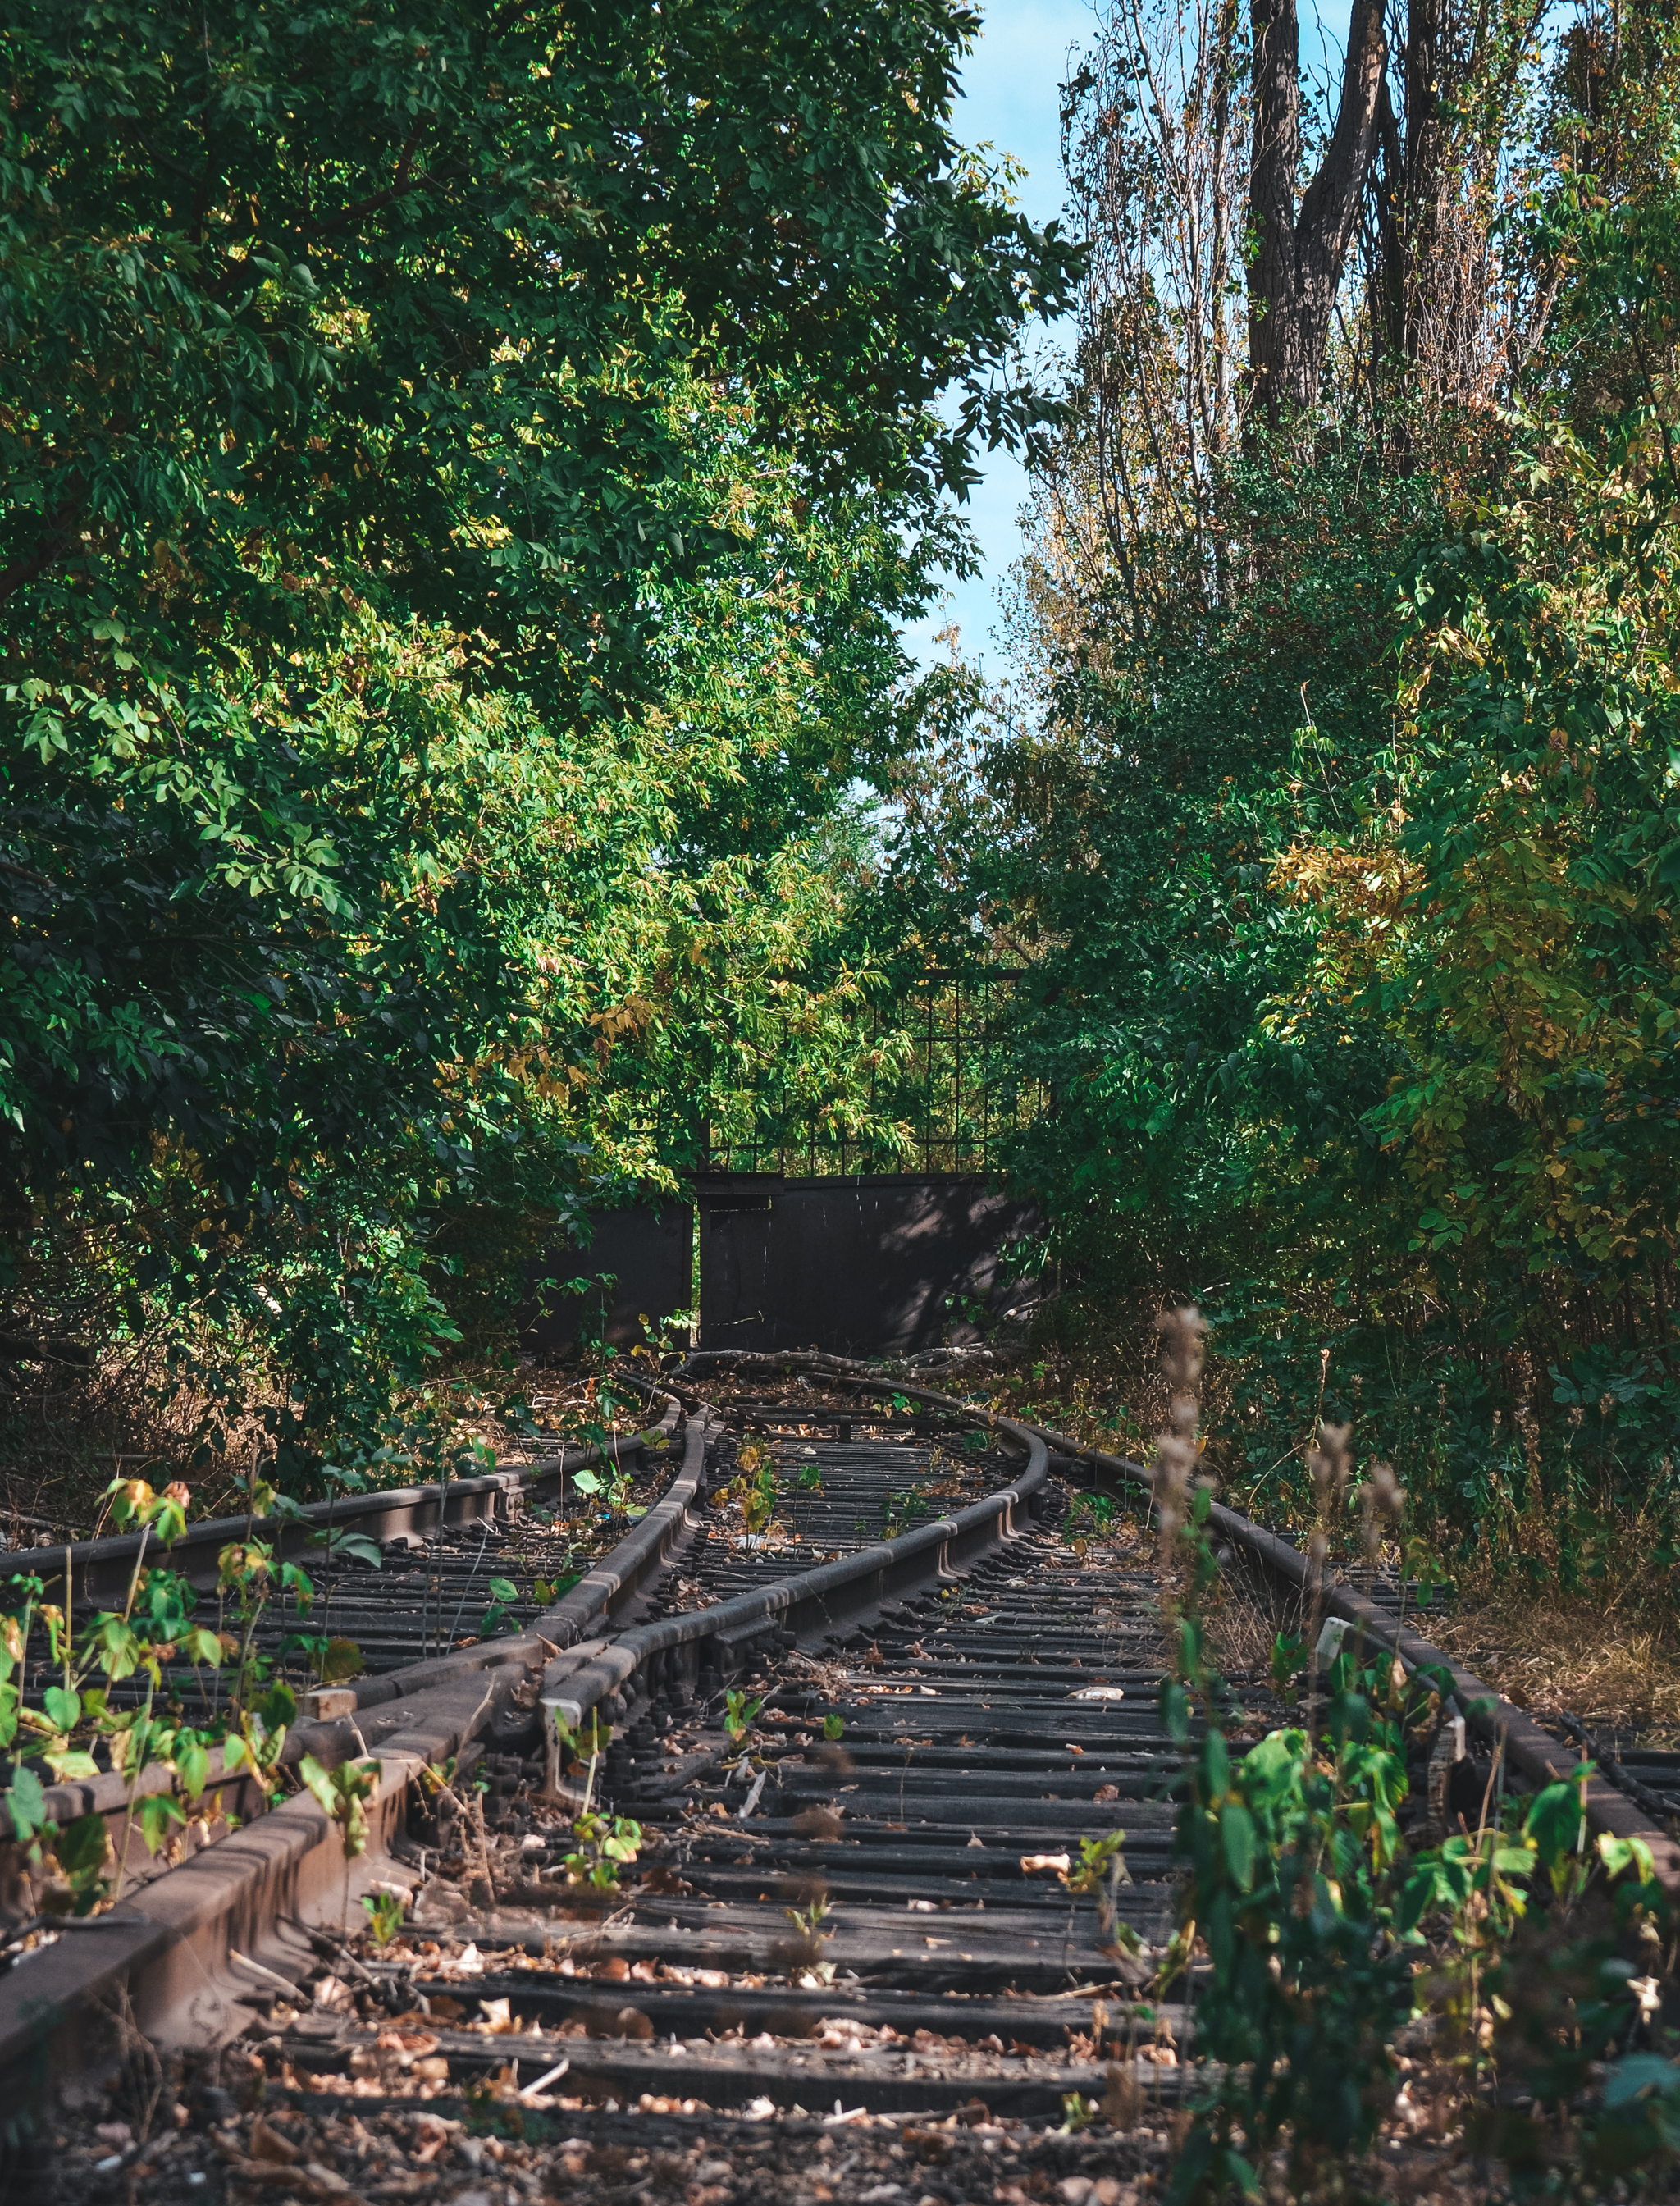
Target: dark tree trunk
(1302,251)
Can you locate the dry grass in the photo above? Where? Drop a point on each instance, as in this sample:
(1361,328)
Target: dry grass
(1612,1660)
(1243,1627)
(1609,1664)
(65,1433)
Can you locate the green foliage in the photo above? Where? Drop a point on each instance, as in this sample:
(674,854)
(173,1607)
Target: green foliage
(739,1712)
(899,1511)
(605,1844)
(82,1852)
(333,1660)
(503,1594)
(1323,1933)
(1098,1874)
(1347,896)
(613,1484)
(151,1638)
(1089,1518)
(547,1591)
(343,1791)
(385,1911)
(759,1495)
(451,570)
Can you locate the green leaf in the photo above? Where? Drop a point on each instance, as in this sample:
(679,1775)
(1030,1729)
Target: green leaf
(1236,1836)
(63,1705)
(82,1847)
(159,1814)
(26,1803)
(71,1765)
(355,1545)
(1175,1709)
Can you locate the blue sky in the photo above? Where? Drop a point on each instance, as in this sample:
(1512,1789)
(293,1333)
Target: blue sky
(1010,86)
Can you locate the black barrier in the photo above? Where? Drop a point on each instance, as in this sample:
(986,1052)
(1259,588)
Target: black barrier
(650,1255)
(861,1264)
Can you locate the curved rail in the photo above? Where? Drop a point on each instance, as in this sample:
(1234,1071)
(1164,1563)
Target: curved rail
(176,1949)
(1526,1748)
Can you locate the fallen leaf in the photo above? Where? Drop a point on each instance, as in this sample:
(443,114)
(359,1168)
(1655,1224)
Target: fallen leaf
(268,2145)
(1045,1865)
(405,2038)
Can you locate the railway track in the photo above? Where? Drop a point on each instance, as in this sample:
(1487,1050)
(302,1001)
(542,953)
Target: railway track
(880,1713)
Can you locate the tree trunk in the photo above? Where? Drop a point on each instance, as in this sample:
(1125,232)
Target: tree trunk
(1301,253)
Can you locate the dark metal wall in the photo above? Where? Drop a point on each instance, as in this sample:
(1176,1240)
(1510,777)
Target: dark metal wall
(860,1265)
(651,1253)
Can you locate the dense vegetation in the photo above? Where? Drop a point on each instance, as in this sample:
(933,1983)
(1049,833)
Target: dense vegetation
(461,475)
(1335,807)
(465,481)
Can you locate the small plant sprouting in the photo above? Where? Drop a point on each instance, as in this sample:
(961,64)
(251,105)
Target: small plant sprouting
(834,1728)
(343,1792)
(503,1592)
(603,1845)
(756,1490)
(739,1714)
(1099,1874)
(1289,1652)
(547,1591)
(900,1510)
(591,1737)
(808,1921)
(615,1488)
(1089,1518)
(807,1963)
(385,1911)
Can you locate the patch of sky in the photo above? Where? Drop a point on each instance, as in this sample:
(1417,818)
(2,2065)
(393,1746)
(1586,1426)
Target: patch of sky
(1011,99)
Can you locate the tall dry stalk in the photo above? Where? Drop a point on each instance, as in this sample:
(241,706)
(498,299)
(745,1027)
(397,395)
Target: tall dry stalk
(1327,1465)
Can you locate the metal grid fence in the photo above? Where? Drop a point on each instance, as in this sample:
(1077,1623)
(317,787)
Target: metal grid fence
(955,1098)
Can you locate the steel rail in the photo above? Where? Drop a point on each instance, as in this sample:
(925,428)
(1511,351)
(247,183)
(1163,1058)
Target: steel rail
(178,1951)
(675,1654)
(174,1948)
(105,1567)
(1525,1746)
(100,1568)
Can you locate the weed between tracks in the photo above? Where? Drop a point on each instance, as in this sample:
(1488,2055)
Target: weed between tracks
(1313,1919)
(1376,1986)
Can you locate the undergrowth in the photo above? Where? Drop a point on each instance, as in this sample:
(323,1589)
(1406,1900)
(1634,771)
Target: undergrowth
(1525,1966)
(1518,1480)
